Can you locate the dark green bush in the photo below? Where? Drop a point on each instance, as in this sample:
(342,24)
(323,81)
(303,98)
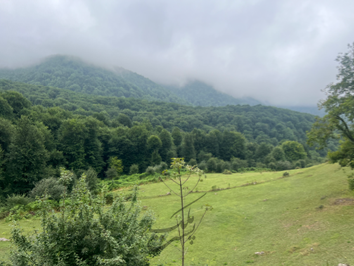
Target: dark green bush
(134,169)
(192,162)
(203,165)
(285,174)
(88,234)
(92,180)
(150,170)
(13,200)
(351,183)
(49,186)
(109,197)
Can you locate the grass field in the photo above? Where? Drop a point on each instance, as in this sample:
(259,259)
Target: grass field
(304,219)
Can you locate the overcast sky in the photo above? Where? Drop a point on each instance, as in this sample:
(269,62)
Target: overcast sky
(282,52)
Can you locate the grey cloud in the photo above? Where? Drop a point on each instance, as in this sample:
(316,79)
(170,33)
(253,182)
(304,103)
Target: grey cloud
(282,52)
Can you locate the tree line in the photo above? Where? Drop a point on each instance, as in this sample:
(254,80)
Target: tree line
(36,140)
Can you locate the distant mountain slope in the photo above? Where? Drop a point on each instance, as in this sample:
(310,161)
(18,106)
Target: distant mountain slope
(198,93)
(306,109)
(71,73)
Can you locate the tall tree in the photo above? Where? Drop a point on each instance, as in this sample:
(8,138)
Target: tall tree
(27,157)
(72,135)
(188,151)
(177,136)
(233,145)
(339,107)
(166,146)
(293,150)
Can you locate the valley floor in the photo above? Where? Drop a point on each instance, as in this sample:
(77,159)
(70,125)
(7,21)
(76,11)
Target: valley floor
(304,219)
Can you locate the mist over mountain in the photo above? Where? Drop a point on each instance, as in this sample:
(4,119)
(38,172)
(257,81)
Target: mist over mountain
(199,93)
(72,73)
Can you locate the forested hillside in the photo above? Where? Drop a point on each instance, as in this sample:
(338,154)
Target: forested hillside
(198,93)
(73,74)
(43,128)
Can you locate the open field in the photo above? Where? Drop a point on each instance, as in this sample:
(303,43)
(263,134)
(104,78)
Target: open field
(304,219)
(283,218)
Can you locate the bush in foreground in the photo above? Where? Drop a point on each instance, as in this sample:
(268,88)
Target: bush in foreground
(84,233)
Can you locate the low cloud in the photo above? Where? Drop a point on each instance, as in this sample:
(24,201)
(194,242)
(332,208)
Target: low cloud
(282,52)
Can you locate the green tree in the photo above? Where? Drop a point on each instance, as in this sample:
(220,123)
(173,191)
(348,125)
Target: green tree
(154,144)
(188,151)
(339,106)
(293,150)
(27,157)
(166,146)
(85,232)
(278,154)
(177,136)
(124,120)
(233,145)
(17,101)
(5,109)
(72,135)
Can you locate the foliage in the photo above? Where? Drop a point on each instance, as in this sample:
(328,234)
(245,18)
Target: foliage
(134,169)
(285,174)
(116,164)
(92,180)
(351,183)
(17,199)
(201,94)
(73,74)
(227,172)
(293,150)
(338,122)
(79,131)
(48,186)
(84,233)
(150,170)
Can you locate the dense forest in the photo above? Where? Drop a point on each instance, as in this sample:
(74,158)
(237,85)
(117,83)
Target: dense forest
(43,128)
(73,74)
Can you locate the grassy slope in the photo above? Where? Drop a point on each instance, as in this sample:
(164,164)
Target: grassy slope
(285,226)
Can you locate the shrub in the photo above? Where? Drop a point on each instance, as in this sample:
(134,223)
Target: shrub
(14,200)
(203,165)
(238,164)
(150,170)
(134,169)
(351,183)
(283,165)
(192,162)
(161,167)
(92,180)
(109,198)
(285,174)
(88,234)
(272,166)
(227,172)
(49,186)
(111,173)
(211,165)
(260,165)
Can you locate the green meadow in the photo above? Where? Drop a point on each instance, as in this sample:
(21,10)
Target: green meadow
(304,219)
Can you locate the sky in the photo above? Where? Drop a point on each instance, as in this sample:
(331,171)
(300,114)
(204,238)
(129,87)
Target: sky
(279,52)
